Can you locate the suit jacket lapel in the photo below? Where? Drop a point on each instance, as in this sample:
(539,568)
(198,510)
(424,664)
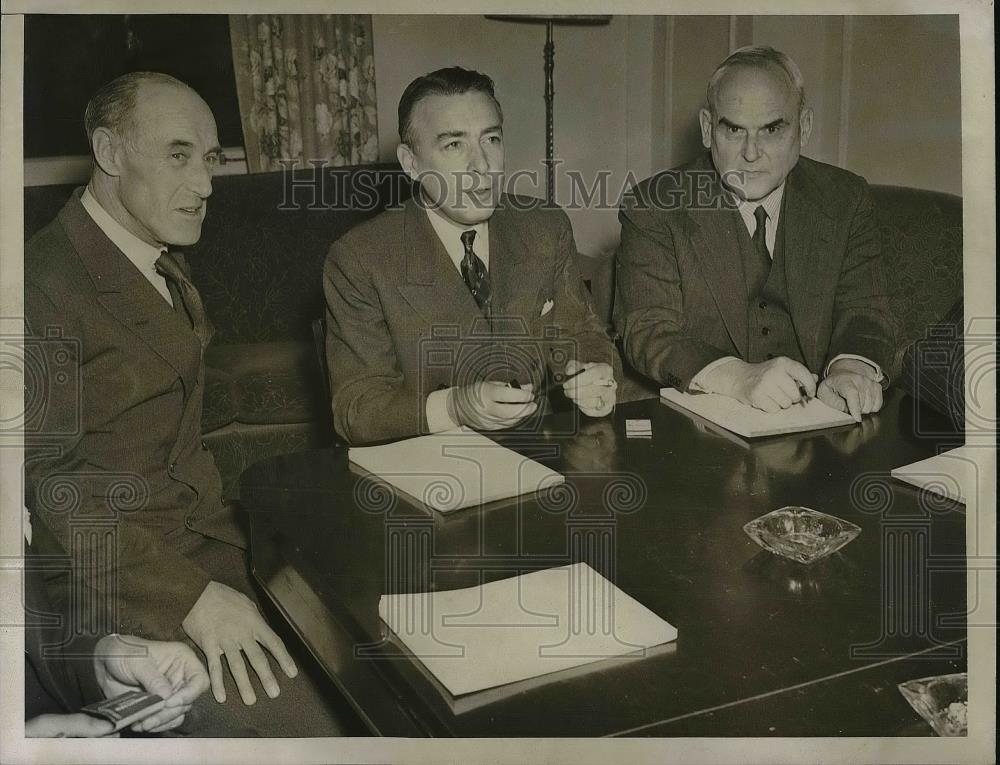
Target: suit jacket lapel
(811,265)
(432,286)
(127,295)
(513,270)
(713,238)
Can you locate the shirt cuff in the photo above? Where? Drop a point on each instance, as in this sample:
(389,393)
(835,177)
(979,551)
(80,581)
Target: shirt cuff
(697,384)
(438,419)
(879,375)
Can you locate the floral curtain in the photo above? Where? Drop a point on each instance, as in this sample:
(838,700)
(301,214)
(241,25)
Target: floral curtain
(306,87)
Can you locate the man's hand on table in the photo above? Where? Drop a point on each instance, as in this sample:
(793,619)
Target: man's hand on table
(594,390)
(490,405)
(224,621)
(769,385)
(850,387)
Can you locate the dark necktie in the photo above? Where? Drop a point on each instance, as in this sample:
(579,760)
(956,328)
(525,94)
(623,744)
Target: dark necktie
(477,278)
(761,254)
(187,301)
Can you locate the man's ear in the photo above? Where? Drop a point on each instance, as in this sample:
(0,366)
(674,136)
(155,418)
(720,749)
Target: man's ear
(107,151)
(705,118)
(407,160)
(805,124)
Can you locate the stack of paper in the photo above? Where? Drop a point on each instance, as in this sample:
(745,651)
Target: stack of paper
(754,423)
(456,469)
(522,627)
(954,474)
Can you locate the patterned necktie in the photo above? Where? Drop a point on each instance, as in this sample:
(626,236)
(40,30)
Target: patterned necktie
(187,301)
(477,278)
(761,253)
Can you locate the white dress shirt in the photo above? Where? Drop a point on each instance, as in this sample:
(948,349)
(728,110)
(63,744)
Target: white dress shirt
(141,254)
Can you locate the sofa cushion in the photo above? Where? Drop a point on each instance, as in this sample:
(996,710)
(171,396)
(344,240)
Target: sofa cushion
(219,406)
(275,383)
(236,447)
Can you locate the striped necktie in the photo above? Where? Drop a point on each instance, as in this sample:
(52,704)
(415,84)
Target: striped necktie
(477,278)
(187,301)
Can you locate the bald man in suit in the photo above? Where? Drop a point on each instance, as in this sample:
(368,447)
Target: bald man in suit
(754,272)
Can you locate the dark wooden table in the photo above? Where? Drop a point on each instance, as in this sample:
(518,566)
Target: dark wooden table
(765,647)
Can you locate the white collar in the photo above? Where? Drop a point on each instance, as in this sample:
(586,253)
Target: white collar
(142,254)
(771,204)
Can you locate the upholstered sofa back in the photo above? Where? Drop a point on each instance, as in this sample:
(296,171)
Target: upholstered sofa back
(922,249)
(259,261)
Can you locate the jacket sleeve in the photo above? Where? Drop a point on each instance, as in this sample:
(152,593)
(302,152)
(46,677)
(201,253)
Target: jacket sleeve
(862,324)
(649,303)
(126,572)
(371,400)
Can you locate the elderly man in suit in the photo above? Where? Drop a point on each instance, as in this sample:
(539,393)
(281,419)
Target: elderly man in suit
(450,310)
(116,466)
(755,272)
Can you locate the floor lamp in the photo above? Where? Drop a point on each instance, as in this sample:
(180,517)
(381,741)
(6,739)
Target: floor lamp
(550,55)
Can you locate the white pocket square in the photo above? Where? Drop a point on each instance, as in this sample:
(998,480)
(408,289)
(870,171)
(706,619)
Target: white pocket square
(546,307)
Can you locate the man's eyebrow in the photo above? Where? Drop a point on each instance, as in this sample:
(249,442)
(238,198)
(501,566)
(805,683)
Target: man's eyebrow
(729,123)
(780,122)
(494,129)
(180,143)
(451,134)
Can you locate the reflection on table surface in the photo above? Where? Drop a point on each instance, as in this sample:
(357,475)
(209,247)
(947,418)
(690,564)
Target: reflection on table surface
(765,646)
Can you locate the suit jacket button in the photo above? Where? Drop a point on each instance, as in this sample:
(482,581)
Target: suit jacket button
(204,446)
(765,331)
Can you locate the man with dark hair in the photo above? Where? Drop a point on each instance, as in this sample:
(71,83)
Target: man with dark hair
(754,272)
(452,310)
(157,552)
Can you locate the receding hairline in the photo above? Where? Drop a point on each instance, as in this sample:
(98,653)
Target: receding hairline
(760,59)
(114,106)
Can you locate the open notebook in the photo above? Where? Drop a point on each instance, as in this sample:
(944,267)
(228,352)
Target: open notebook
(754,423)
(455,469)
(953,474)
(522,627)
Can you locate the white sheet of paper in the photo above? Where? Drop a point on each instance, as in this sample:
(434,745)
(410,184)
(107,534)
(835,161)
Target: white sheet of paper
(521,627)
(455,469)
(753,423)
(952,474)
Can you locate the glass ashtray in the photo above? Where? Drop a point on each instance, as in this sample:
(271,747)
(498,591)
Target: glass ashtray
(942,700)
(800,533)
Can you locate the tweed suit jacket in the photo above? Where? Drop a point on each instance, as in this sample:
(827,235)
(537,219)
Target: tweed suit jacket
(115,464)
(401,322)
(681,293)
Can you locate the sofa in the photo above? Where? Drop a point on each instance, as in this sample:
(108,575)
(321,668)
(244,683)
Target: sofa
(259,262)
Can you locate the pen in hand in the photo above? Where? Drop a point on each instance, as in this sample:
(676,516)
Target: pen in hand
(544,392)
(803,396)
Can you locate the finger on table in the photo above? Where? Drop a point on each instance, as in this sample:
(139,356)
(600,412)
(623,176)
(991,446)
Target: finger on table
(238,669)
(270,640)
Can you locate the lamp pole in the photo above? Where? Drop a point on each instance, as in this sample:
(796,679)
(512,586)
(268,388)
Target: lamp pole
(550,96)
